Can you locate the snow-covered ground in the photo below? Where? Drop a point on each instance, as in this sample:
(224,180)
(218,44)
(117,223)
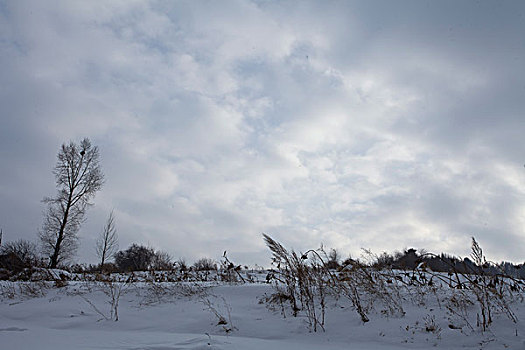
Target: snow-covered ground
(186,316)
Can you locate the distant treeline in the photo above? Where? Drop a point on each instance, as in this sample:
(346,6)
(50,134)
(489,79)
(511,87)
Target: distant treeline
(410,259)
(18,255)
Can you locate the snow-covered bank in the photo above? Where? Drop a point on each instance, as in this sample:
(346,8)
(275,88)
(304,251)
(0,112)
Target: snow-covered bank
(187,318)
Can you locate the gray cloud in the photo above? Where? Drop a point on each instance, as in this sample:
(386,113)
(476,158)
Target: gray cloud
(359,124)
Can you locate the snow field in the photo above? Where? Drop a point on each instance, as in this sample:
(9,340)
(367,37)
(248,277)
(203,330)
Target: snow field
(186,316)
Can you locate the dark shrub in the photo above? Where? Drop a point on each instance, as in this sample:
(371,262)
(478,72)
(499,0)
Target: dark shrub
(161,261)
(25,252)
(205,264)
(135,258)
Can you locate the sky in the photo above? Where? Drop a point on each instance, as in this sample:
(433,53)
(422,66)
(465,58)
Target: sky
(381,125)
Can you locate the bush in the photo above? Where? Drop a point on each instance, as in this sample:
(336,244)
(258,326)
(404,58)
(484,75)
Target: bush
(135,258)
(332,261)
(205,264)
(181,265)
(25,251)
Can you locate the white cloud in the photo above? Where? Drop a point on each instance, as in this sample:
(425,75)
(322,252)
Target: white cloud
(311,122)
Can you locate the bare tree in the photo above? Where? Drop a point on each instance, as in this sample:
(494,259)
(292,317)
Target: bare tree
(162,261)
(78,178)
(107,243)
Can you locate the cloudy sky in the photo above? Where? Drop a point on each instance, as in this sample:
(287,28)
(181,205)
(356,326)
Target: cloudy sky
(356,124)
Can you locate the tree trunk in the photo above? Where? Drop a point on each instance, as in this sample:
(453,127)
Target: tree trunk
(54,258)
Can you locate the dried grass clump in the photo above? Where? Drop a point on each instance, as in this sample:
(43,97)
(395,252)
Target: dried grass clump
(304,281)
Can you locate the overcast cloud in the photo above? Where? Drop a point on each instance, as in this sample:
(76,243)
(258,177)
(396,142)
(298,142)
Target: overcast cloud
(356,124)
